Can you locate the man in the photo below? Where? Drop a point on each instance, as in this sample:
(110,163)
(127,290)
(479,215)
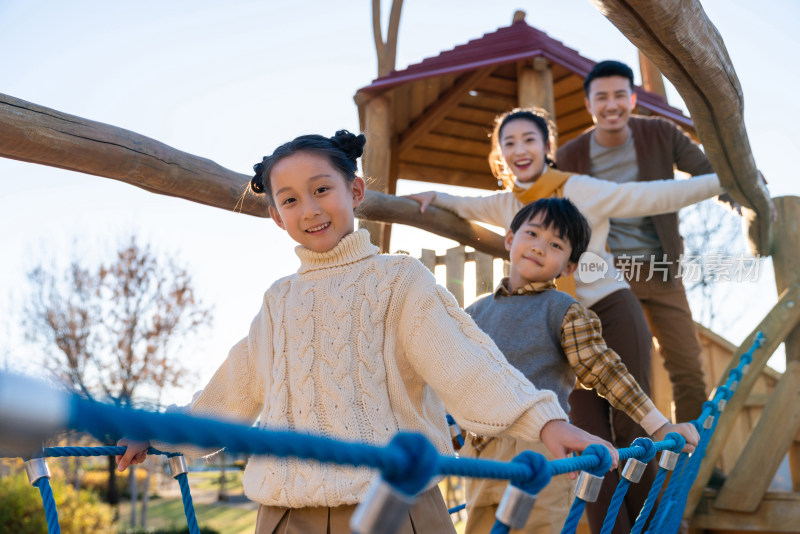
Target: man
(623,148)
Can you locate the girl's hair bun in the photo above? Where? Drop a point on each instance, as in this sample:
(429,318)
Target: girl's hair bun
(351,144)
(257,182)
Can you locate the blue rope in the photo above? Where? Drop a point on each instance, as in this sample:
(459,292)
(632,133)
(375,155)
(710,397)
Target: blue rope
(408,463)
(540,478)
(49,505)
(188,507)
(452,424)
(458,508)
(624,484)
(603,464)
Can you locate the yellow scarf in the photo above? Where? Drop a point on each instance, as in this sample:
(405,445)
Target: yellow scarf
(549,184)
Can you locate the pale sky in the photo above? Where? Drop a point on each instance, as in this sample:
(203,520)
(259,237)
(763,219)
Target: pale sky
(230,81)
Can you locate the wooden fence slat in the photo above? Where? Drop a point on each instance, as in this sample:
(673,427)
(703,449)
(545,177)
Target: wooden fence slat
(484,273)
(428,259)
(454,260)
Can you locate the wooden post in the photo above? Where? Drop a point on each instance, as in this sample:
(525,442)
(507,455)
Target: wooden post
(377,160)
(652,80)
(484,273)
(535,86)
(785,248)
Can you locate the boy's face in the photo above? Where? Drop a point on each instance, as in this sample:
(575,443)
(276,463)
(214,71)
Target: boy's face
(538,253)
(610,102)
(314,203)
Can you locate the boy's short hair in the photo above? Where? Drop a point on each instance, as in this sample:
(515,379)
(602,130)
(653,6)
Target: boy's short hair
(606,69)
(565,216)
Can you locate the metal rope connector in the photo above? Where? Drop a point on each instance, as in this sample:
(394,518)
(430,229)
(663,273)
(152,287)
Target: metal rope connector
(668,460)
(633,470)
(515,507)
(588,487)
(177,465)
(36,469)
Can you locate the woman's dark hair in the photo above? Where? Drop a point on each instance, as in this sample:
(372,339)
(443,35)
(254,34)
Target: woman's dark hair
(564,216)
(342,151)
(537,116)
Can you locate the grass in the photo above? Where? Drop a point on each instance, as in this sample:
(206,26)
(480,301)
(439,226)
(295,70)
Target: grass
(227,518)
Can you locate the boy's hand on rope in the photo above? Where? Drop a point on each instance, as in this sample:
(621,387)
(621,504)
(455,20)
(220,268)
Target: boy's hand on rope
(135,453)
(424,199)
(562,439)
(687,430)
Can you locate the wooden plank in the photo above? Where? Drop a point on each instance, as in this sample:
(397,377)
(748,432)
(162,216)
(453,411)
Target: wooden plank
(652,80)
(794,465)
(400,108)
(484,273)
(472,115)
(463,130)
(779,321)
(779,423)
(432,89)
(417,100)
(428,259)
(426,173)
(493,102)
(577,119)
(447,160)
(454,261)
(784,258)
(448,143)
(779,512)
(569,103)
(498,85)
(441,108)
(568,85)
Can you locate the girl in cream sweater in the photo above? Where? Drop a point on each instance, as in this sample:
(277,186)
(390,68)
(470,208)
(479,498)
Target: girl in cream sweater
(357,346)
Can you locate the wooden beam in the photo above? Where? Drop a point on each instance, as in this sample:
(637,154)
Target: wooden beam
(776,325)
(425,173)
(776,429)
(446,103)
(454,263)
(48,137)
(683,43)
(779,512)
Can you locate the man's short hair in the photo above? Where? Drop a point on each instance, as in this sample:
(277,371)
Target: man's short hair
(605,69)
(564,216)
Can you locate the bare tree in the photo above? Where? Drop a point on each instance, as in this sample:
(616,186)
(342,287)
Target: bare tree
(111,330)
(712,239)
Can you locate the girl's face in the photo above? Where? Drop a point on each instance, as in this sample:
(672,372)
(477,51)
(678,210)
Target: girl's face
(524,149)
(314,203)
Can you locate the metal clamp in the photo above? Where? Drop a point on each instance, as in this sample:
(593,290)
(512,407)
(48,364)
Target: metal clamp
(588,487)
(709,422)
(36,469)
(745,368)
(668,460)
(721,404)
(177,465)
(733,386)
(515,507)
(382,510)
(633,470)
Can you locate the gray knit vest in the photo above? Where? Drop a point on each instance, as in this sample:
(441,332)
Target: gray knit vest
(527,330)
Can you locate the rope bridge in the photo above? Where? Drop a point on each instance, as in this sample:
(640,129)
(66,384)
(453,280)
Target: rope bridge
(408,464)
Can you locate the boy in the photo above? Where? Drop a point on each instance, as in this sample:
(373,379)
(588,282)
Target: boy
(552,339)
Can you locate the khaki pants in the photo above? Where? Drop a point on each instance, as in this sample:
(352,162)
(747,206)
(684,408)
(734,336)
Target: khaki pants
(428,515)
(484,495)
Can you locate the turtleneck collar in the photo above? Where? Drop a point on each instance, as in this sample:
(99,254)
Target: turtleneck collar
(352,248)
(527,185)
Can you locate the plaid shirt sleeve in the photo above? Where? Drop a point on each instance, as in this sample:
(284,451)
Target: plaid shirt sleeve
(597,366)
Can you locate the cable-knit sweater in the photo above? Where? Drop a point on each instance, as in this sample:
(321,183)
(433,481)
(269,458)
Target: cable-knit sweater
(358,346)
